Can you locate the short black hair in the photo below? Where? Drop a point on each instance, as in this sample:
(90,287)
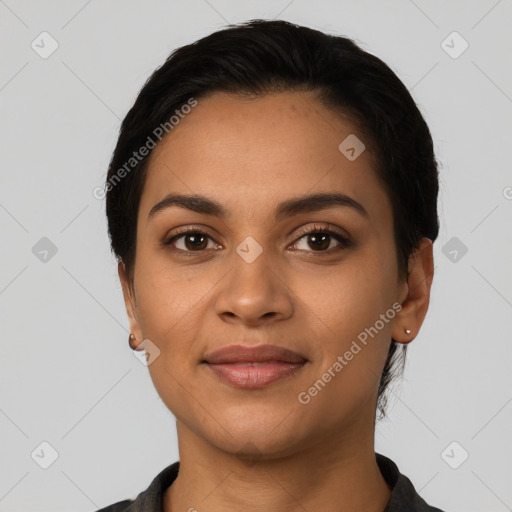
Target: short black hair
(260,57)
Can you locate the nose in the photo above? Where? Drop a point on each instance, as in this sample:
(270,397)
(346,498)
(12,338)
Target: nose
(254,293)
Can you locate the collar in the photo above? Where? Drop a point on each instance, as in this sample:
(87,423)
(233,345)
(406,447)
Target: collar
(404,497)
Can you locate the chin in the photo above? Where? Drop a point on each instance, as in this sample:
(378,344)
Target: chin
(257,447)
(256,437)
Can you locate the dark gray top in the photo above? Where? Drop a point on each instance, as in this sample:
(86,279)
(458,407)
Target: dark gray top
(404,497)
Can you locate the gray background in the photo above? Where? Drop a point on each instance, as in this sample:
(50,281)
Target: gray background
(68,377)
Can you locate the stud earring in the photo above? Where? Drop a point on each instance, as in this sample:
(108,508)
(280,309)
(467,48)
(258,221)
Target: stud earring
(407,331)
(131,342)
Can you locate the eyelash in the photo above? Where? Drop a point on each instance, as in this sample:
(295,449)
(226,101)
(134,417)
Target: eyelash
(345,243)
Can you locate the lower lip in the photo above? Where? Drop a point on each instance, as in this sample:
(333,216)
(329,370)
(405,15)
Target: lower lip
(248,375)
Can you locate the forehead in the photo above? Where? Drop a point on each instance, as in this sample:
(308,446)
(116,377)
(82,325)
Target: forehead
(250,152)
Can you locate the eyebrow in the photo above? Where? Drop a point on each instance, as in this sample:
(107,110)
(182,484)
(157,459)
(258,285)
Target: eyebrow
(293,206)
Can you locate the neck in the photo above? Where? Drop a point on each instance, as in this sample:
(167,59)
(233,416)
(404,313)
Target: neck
(321,477)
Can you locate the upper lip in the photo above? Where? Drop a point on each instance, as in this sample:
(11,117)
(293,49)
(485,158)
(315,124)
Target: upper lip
(259,353)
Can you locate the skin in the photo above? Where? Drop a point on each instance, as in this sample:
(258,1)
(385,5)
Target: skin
(261,449)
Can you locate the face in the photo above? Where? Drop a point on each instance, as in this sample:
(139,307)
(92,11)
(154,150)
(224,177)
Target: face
(242,269)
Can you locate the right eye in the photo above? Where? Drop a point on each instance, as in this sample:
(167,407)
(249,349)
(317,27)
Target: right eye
(190,240)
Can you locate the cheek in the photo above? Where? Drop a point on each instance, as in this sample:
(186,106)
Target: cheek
(352,308)
(352,350)
(168,295)
(171,307)
(347,300)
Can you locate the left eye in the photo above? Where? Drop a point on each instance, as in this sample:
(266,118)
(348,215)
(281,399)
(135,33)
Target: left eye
(321,240)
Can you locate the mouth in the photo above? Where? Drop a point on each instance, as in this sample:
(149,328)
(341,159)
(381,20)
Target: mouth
(254,367)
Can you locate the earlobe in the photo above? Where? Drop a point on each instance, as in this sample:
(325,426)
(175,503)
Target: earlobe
(134,343)
(415,305)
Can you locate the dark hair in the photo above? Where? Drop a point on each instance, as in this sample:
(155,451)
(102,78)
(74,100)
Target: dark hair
(259,57)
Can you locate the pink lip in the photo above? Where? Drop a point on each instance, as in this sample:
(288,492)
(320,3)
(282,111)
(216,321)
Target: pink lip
(254,367)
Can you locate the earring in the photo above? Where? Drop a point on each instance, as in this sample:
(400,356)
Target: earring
(407,331)
(131,342)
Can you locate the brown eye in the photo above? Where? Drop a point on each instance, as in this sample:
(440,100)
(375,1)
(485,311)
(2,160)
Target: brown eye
(321,240)
(193,240)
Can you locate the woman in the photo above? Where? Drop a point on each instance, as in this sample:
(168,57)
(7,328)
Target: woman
(272,205)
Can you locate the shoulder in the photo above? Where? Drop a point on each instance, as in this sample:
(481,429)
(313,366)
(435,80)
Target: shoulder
(120,506)
(404,497)
(149,500)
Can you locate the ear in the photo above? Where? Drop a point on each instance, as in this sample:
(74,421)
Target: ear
(416,294)
(130,303)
